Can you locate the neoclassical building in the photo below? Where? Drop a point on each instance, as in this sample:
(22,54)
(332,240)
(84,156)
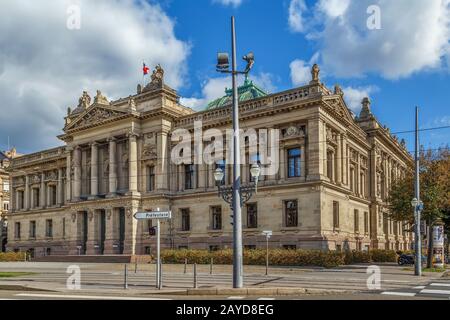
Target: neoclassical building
(329,193)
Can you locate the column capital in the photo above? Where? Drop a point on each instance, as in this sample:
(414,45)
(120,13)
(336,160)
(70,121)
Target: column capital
(93,144)
(132,135)
(111,139)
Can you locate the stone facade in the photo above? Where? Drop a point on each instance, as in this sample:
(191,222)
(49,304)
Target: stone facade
(80,198)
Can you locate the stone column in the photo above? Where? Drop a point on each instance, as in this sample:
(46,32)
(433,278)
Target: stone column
(211,181)
(133,165)
(94,170)
(202,172)
(316,149)
(43,203)
(77,174)
(162,167)
(338,162)
(110,234)
(12,202)
(283,164)
(59,193)
(131,229)
(27,195)
(112,167)
(91,238)
(68,174)
(344,159)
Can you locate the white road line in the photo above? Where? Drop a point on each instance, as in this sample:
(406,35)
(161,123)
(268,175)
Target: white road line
(265,299)
(440,284)
(419,287)
(404,294)
(435,291)
(235,298)
(37,295)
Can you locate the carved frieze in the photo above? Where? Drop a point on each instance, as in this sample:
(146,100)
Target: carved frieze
(97,115)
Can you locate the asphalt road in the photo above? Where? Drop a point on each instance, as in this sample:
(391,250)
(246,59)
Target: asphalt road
(100,279)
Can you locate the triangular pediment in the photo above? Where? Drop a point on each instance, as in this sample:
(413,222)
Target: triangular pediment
(336,105)
(94,115)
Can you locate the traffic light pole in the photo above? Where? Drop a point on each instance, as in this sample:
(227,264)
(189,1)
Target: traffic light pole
(418,240)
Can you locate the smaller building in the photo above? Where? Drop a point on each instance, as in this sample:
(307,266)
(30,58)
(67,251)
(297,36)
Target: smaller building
(5,158)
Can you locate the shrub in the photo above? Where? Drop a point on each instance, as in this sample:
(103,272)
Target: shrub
(12,256)
(383,255)
(357,257)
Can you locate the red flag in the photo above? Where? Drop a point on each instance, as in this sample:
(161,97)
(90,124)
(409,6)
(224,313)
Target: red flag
(145,69)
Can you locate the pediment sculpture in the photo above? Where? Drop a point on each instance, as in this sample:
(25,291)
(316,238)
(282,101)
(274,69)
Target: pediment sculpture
(97,115)
(157,79)
(100,98)
(84,101)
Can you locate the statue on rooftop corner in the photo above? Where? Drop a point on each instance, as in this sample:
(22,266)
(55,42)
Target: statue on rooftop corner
(315,70)
(85,100)
(338,90)
(100,99)
(158,75)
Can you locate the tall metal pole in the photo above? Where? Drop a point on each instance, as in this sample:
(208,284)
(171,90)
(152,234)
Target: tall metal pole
(237,225)
(418,264)
(158,254)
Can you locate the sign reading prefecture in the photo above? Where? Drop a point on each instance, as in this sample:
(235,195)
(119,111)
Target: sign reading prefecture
(153,215)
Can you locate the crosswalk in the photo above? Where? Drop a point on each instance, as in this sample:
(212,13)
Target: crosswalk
(439,289)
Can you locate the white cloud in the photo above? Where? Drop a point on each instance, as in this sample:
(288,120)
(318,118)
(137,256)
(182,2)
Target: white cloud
(414,36)
(233,3)
(296,19)
(354,96)
(44,66)
(214,88)
(300,72)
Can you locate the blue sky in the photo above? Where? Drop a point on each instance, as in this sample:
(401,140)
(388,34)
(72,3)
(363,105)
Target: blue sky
(45,67)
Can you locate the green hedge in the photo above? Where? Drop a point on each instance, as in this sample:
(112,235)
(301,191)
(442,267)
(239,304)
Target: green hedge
(280,257)
(12,256)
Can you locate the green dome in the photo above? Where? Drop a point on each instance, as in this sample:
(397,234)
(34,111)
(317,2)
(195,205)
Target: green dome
(247,91)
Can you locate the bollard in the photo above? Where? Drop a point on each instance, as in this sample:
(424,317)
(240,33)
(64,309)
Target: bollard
(160,276)
(185,265)
(135,265)
(211,266)
(125,279)
(195,276)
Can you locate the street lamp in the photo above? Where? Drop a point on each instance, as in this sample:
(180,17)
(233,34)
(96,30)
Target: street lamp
(236,195)
(418,207)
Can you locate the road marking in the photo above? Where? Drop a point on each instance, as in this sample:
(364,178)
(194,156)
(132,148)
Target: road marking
(435,291)
(419,287)
(37,295)
(265,299)
(440,284)
(404,294)
(235,298)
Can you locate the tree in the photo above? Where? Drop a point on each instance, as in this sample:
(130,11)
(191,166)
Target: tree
(434,192)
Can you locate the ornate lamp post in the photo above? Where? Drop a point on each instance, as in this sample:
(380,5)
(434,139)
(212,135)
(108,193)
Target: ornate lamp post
(235,195)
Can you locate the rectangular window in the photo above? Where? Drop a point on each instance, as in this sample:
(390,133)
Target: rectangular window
(356,217)
(185,220)
(151,178)
(216,218)
(17,230)
(6,206)
(188,176)
(291,213)
(32,229)
(330,164)
(21,200)
(335,215)
(6,186)
(252,215)
(49,228)
(214,248)
(36,200)
(294,156)
(64,227)
(366,222)
(53,197)
(352,179)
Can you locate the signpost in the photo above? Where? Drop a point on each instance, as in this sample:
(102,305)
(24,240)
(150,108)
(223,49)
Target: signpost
(156,215)
(268,234)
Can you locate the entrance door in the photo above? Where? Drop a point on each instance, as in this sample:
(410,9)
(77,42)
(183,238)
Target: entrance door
(84,232)
(121,230)
(102,231)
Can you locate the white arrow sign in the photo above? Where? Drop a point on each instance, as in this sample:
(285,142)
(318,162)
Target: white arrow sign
(153,215)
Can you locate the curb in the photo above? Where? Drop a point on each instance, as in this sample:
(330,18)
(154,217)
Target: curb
(260,291)
(13,287)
